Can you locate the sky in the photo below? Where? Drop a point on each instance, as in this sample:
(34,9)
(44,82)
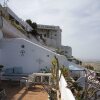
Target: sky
(78,19)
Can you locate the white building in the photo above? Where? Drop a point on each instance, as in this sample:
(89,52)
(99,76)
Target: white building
(51,34)
(29,56)
(66,50)
(21,55)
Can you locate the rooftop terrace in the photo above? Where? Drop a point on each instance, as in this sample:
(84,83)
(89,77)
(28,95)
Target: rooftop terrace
(21,93)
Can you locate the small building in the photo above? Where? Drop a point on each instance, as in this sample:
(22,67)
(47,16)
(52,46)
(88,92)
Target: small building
(66,50)
(51,35)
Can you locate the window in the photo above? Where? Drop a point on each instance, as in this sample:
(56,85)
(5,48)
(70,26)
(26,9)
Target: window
(44,35)
(55,34)
(47,55)
(47,35)
(66,52)
(22,46)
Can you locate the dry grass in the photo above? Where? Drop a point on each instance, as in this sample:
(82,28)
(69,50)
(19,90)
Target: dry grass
(95,64)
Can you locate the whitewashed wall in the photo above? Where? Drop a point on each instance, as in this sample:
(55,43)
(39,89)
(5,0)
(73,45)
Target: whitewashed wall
(34,58)
(53,35)
(10,31)
(66,93)
(22,22)
(67,50)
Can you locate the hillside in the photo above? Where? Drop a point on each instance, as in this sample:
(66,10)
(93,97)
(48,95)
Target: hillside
(95,64)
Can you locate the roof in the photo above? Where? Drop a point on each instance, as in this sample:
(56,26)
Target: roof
(75,67)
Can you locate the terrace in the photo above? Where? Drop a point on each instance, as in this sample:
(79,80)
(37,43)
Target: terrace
(21,93)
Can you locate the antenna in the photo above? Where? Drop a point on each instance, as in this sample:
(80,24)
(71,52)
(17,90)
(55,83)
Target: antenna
(5,3)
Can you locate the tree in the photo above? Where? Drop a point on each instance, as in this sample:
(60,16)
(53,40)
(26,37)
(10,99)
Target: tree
(32,24)
(29,22)
(88,66)
(34,28)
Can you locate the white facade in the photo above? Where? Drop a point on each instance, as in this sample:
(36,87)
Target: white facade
(66,93)
(10,31)
(51,34)
(9,18)
(34,57)
(21,22)
(29,56)
(66,50)
(17,52)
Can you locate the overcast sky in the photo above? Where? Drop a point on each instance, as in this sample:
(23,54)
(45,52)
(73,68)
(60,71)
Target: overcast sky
(78,19)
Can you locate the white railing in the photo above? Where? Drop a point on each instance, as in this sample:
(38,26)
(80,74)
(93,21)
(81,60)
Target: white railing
(66,93)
